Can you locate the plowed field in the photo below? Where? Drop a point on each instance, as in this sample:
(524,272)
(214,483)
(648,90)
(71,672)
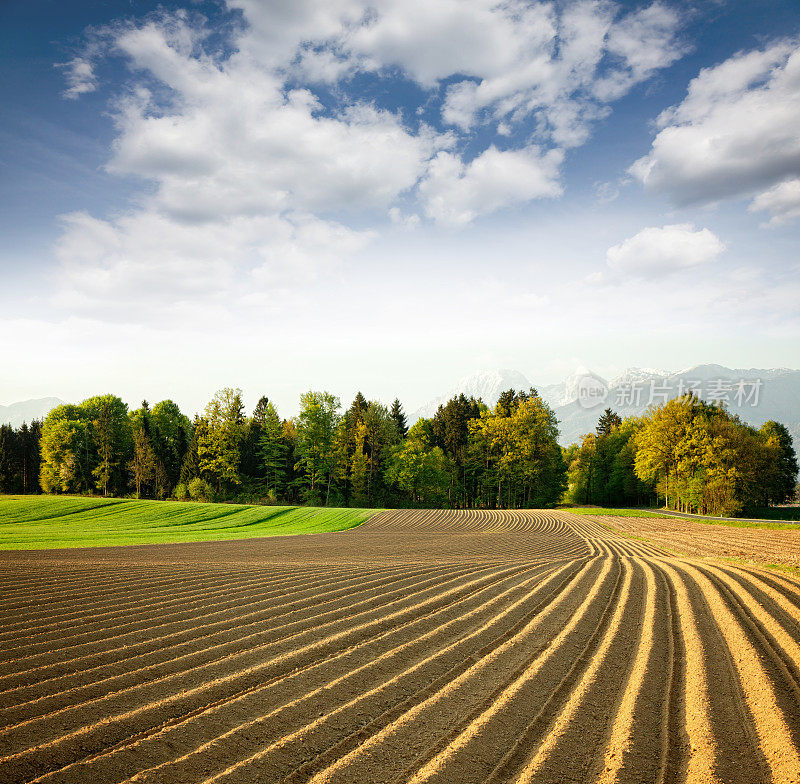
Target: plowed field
(421,647)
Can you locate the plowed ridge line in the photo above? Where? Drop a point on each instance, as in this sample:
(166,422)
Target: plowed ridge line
(263,753)
(174,640)
(61,734)
(438,766)
(216,747)
(186,625)
(295,673)
(177,617)
(196,596)
(622,730)
(775,738)
(341,765)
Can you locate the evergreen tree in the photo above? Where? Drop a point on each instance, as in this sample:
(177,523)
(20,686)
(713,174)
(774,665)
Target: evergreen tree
(29,456)
(450,432)
(780,476)
(261,411)
(608,422)
(190,468)
(346,445)
(169,435)
(358,406)
(399,418)
(8,449)
(272,450)
(251,465)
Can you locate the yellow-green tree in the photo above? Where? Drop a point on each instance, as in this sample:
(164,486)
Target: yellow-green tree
(219,444)
(317,426)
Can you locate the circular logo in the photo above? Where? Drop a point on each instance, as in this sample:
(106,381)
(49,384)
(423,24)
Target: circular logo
(591,392)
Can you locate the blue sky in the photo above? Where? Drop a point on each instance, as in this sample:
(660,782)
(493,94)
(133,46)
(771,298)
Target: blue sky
(279,195)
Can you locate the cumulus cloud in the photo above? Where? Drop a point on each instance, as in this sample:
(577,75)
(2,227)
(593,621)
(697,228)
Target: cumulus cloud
(655,252)
(503,62)
(782,201)
(564,69)
(455,193)
(642,42)
(735,133)
(247,172)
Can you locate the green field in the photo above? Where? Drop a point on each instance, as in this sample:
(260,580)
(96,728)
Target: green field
(43,522)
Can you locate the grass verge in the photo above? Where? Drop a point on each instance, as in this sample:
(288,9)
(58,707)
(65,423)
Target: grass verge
(730,522)
(45,522)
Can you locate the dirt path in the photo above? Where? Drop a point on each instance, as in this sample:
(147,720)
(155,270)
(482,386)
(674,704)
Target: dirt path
(441,646)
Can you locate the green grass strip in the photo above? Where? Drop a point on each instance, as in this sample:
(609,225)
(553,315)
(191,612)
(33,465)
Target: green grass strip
(49,522)
(730,522)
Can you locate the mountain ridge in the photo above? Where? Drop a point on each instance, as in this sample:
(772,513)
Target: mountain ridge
(755,394)
(15,414)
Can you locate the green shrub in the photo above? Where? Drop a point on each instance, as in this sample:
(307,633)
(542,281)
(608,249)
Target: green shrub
(200,490)
(181,492)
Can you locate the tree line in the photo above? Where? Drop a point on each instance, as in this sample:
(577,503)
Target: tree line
(690,455)
(19,458)
(466,455)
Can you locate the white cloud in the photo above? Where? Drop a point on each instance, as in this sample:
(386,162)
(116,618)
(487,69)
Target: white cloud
(398,218)
(510,59)
(606,192)
(235,142)
(564,69)
(431,41)
(147,267)
(654,251)
(735,133)
(782,201)
(455,193)
(80,77)
(277,29)
(248,175)
(644,42)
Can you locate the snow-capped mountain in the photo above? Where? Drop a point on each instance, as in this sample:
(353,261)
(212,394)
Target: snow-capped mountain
(567,391)
(754,394)
(27,410)
(637,375)
(486,385)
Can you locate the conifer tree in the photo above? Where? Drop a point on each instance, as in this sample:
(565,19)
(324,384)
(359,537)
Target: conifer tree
(190,468)
(399,418)
(609,420)
(272,449)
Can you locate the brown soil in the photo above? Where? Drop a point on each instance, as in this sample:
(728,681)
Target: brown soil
(448,647)
(689,537)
